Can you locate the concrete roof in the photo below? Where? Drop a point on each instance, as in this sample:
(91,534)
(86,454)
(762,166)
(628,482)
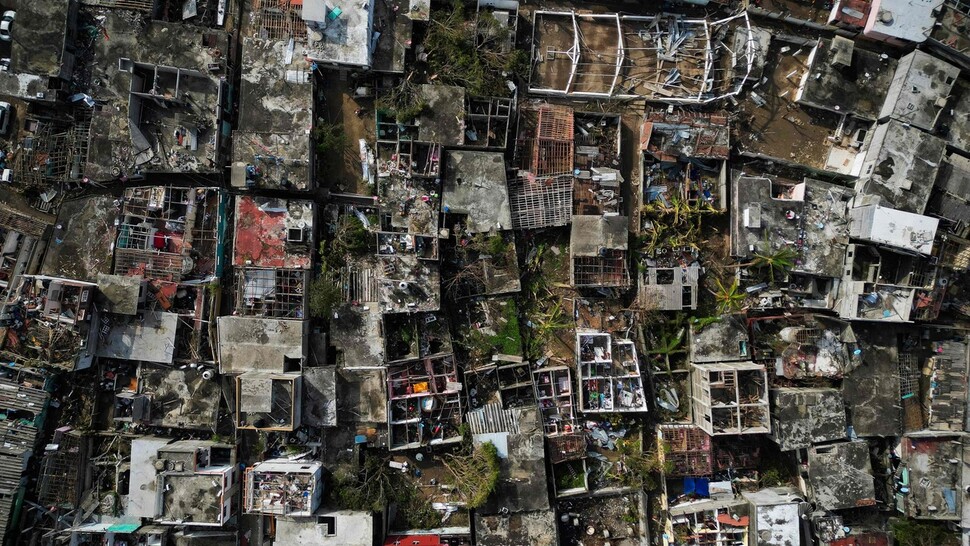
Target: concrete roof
(120,292)
(921,81)
(871,391)
(776,517)
(858,87)
(356,333)
(39,33)
(86,239)
(341,37)
(952,198)
(142,492)
(954,122)
(896,228)
(475,185)
(443,119)
(900,165)
(353,528)
(590,234)
(363,394)
(259,344)
(720,341)
(760,206)
(180,398)
(522,484)
(151,339)
(935,463)
(537,528)
(802,417)
(275,114)
(910,20)
(273,95)
(320,397)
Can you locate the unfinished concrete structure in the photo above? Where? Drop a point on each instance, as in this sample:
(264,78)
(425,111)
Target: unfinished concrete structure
(609,374)
(554,394)
(714,521)
(666,58)
(164,105)
(598,252)
(688,450)
(684,158)
(269,401)
(804,346)
(730,398)
(775,126)
(171,233)
(424,403)
(283,487)
(183,482)
(669,280)
(337,33)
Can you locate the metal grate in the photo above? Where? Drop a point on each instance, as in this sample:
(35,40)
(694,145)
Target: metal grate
(541,202)
(608,270)
(909,374)
(279,19)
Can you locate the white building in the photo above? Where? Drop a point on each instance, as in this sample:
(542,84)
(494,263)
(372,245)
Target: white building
(283,487)
(913,233)
(337,527)
(185,482)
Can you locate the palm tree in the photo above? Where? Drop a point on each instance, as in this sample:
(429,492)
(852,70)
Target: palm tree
(782,260)
(729,297)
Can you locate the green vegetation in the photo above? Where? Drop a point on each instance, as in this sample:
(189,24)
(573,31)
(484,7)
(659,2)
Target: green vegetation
(729,297)
(781,261)
(474,58)
(641,470)
(913,533)
(570,475)
(374,485)
(349,238)
(506,340)
(329,138)
(476,473)
(401,102)
(324,296)
(775,471)
(674,225)
(699,323)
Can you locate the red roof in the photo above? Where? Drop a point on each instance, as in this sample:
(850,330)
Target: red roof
(726,519)
(261,237)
